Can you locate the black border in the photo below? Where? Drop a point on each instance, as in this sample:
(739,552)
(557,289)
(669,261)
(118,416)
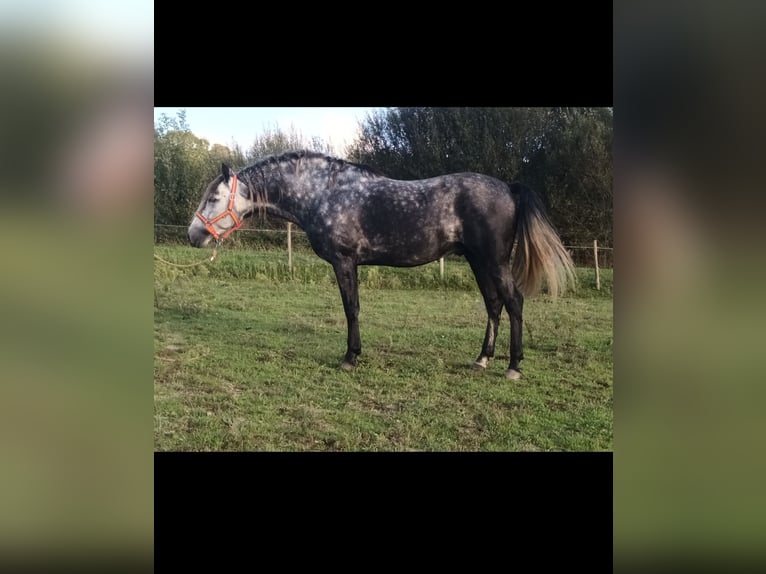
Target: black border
(515,55)
(527,502)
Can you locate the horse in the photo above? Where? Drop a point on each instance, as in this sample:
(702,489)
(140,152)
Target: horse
(354,215)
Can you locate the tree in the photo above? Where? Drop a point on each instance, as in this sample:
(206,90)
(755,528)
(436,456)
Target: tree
(274,141)
(185,164)
(182,168)
(562,153)
(573,165)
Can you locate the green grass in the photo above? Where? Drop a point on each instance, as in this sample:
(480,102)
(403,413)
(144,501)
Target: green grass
(247,355)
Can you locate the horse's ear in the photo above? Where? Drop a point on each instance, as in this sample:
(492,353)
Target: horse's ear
(226,172)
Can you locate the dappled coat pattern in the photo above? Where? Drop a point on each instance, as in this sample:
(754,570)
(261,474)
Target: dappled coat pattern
(353,215)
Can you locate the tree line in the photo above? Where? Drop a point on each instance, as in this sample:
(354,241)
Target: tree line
(564,154)
(185,164)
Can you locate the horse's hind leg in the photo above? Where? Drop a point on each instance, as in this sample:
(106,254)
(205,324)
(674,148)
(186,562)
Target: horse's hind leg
(514,304)
(348,283)
(517,352)
(494,304)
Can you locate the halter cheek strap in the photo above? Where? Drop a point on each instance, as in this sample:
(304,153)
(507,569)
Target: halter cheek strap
(229,211)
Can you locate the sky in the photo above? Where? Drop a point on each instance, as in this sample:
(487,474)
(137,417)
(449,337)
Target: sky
(242,125)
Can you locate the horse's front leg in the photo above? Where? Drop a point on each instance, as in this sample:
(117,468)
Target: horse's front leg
(348,283)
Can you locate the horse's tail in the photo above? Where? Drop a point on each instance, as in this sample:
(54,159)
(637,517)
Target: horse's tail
(539,251)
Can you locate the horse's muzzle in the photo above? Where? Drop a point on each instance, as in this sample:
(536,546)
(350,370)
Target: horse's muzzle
(198,237)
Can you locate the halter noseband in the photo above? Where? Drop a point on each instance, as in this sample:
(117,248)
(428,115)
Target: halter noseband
(229,211)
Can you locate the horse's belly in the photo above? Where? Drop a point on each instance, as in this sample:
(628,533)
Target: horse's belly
(405,254)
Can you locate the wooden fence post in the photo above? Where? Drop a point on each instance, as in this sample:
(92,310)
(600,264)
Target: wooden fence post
(441,268)
(595,259)
(290,247)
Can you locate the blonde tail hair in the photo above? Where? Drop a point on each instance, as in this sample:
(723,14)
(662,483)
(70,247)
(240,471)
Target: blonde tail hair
(539,251)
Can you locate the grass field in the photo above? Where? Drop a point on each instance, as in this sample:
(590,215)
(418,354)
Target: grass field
(247,355)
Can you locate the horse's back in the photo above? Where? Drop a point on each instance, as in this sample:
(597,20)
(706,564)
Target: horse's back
(411,222)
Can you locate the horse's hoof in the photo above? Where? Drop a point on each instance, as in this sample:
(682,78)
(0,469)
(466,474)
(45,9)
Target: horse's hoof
(480,364)
(512,375)
(346,366)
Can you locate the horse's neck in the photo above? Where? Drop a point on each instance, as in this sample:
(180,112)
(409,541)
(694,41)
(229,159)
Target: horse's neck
(289,194)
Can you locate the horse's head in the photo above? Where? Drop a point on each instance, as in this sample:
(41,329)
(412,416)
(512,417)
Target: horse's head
(223,207)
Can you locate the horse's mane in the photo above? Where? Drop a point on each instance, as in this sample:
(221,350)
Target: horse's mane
(255,174)
(336,164)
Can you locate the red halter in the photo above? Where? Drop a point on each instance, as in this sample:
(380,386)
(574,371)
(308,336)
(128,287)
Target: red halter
(229,211)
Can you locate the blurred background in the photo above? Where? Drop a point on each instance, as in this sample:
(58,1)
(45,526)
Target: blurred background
(689,240)
(75,284)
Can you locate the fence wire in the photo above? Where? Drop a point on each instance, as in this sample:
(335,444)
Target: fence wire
(582,255)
